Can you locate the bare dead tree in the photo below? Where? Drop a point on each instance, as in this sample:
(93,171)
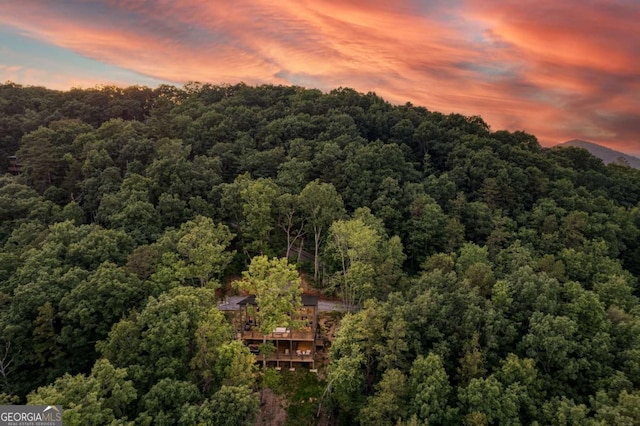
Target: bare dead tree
(5,365)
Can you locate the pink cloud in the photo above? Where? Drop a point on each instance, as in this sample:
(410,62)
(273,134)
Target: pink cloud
(582,59)
(558,70)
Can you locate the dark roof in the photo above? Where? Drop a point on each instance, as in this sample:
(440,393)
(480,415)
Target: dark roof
(251,300)
(307,300)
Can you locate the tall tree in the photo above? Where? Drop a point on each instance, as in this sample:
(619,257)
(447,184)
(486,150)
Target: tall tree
(203,251)
(289,220)
(278,289)
(257,204)
(355,246)
(322,205)
(388,405)
(430,390)
(196,254)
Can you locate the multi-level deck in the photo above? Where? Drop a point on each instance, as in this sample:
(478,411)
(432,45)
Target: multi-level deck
(291,346)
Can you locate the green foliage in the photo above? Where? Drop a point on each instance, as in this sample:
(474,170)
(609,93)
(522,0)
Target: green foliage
(367,263)
(201,256)
(277,287)
(272,379)
(387,405)
(303,390)
(231,406)
(89,310)
(100,398)
(355,247)
(346,381)
(235,365)
(322,204)
(257,203)
(158,343)
(167,400)
(425,228)
(492,281)
(211,336)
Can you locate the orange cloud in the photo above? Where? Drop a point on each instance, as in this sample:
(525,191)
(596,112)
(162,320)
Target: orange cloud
(582,60)
(558,70)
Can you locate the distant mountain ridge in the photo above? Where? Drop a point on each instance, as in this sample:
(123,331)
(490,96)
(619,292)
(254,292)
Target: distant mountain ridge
(607,155)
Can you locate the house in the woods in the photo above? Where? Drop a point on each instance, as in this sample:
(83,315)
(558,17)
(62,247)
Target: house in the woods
(14,167)
(291,347)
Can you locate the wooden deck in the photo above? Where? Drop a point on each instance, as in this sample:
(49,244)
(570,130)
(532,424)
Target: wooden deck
(281,357)
(287,352)
(298,335)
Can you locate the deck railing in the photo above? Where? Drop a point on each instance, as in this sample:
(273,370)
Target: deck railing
(291,357)
(304,334)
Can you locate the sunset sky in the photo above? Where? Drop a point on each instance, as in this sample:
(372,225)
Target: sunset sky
(558,69)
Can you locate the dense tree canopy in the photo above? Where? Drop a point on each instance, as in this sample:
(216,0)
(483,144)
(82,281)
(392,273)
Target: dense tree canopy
(492,281)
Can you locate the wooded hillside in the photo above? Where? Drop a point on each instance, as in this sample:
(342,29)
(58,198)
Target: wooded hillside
(497,281)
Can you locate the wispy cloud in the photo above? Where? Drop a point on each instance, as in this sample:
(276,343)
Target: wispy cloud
(560,70)
(579,62)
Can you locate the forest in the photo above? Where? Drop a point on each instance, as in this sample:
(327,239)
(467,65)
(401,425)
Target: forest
(492,281)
